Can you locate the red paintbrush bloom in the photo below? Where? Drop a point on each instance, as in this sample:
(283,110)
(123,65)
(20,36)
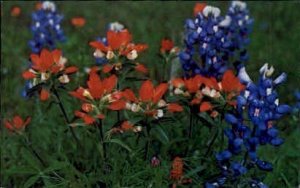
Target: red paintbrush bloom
(17,123)
(198,8)
(15,11)
(149,102)
(176,172)
(97,97)
(166,45)
(119,43)
(141,68)
(78,21)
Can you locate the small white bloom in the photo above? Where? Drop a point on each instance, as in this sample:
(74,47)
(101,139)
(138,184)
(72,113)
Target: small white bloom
(115,26)
(160,113)
(132,55)
(110,55)
(98,54)
(240,22)
(178,91)
(135,108)
(37,24)
(87,70)
(161,103)
(64,79)
(204,45)
(137,129)
(226,22)
(266,71)
(57,27)
(45,76)
(128,106)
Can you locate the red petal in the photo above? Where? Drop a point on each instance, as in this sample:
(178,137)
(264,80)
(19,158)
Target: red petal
(107,68)
(18,122)
(177,82)
(27,121)
(205,106)
(141,68)
(126,125)
(78,21)
(78,94)
(46,60)
(159,92)
(87,107)
(173,107)
(56,54)
(36,61)
(28,75)
(44,95)
(118,105)
(146,91)
(71,70)
(100,116)
(110,83)
(166,45)
(117,39)
(88,119)
(129,95)
(198,8)
(95,85)
(8,125)
(98,45)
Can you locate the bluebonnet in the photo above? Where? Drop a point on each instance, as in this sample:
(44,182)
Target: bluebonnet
(260,104)
(211,40)
(46,28)
(297,105)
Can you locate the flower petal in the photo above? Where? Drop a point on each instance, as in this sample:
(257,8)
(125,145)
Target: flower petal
(146,91)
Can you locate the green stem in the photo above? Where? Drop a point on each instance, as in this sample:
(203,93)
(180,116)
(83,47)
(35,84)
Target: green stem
(148,128)
(28,144)
(61,106)
(190,132)
(100,128)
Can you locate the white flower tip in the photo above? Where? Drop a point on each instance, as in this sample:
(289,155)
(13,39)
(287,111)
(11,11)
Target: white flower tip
(210,10)
(280,79)
(226,22)
(116,26)
(239,4)
(48,5)
(243,75)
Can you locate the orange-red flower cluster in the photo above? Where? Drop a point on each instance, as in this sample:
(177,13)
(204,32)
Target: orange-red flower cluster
(96,97)
(149,102)
(167,46)
(199,87)
(78,21)
(17,124)
(47,65)
(15,11)
(125,127)
(119,44)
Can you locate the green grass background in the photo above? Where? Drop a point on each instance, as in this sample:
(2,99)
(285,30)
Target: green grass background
(275,39)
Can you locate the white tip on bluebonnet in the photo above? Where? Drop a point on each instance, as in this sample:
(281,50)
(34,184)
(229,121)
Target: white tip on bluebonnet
(226,22)
(266,71)
(243,76)
(280,79)
(210,10)
(48,5)
(239,4)
(115,26)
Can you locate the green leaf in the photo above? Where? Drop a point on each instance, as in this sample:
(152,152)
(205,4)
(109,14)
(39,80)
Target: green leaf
(119,142)
(57,165)
(31,181)
(20,171)
(160,134)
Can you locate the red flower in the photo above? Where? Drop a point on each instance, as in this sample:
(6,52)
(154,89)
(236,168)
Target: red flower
(205,106)
(231,83)
(177,169)
(141,68)
(149,93)
(17,123)
(166,45)
(15,11)
(198,8)
(120,42)
(44,94)
(78,21)
(173,107)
